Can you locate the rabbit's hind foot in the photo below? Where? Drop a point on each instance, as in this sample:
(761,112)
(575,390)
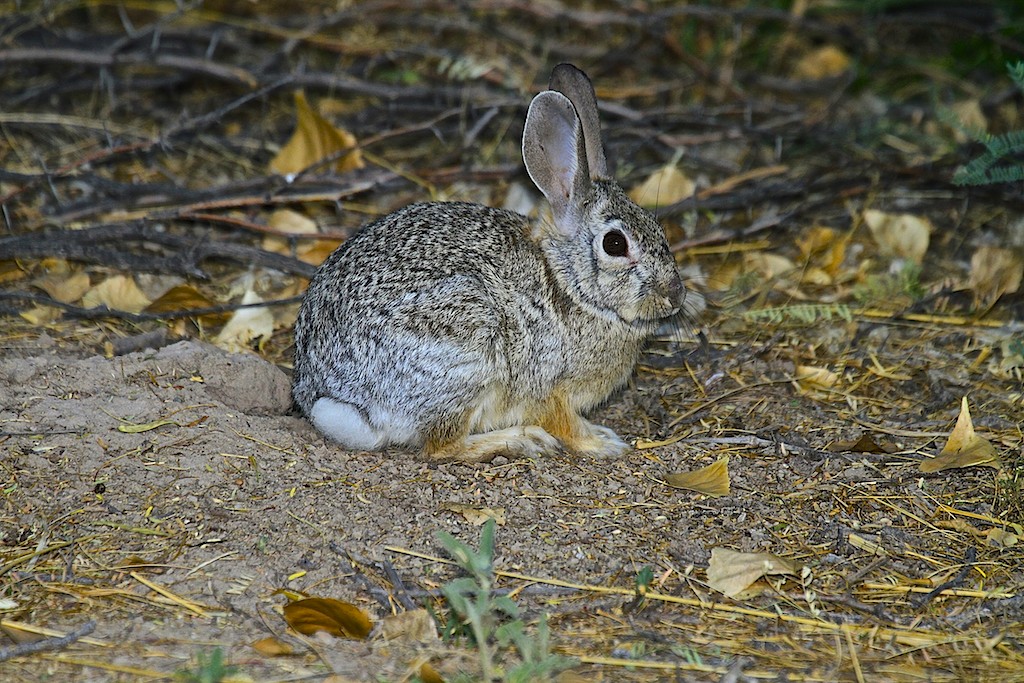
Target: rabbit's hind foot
(515,442)
(345,424)
(577,434)
(596,441)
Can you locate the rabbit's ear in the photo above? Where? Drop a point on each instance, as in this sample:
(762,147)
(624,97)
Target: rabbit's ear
(555,156)
(574,84)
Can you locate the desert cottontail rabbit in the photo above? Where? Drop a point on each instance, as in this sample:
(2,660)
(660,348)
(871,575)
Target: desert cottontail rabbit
(469,331)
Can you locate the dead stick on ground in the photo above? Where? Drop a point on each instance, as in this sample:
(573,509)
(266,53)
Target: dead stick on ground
(969,557)
(47,644)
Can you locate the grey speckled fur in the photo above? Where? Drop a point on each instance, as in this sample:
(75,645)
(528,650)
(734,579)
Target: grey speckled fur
(470,331)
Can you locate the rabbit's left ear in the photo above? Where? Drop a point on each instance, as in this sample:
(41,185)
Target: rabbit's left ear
(556,159)
(574,84)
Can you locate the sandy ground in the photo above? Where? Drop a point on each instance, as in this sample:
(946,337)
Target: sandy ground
(184,468)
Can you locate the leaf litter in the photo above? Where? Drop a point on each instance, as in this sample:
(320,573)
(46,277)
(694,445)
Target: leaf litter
(834,355)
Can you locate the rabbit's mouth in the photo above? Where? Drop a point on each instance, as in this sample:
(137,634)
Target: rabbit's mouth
(663,300)
(653,307)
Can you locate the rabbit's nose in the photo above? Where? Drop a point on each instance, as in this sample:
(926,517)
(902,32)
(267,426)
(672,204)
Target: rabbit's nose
(674,290)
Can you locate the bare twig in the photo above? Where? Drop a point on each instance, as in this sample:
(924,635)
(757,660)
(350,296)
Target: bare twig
(47,644)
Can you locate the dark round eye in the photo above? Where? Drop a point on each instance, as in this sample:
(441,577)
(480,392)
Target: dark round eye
(614,243)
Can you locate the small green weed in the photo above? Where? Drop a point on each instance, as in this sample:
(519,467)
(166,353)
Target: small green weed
(904,285)
(210,668)
(492,621)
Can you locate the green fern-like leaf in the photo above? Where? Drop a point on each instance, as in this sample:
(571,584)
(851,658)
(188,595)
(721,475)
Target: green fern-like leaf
(1000,163)
(1017,74)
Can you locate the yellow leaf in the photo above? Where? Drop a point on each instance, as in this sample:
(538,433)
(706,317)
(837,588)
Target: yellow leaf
(814,275)
(41,315)
(899,235)
(246,325)
(964,447)
(665,186)
(731,572)
(11,271)
(812,378)
(478,515)
(769,266)
(824,62)
(994,271)
(117,293)
(312,252)
(318,250)
(184,298)
(291,222)
(272,647)
(315,139)
(66,288)
(338,618)
(724,276)
(1001,538)
(865,444)
(712,480)
(429,675)
(816,240)
(970,116)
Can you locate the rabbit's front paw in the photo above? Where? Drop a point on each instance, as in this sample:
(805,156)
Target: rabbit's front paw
(515,442)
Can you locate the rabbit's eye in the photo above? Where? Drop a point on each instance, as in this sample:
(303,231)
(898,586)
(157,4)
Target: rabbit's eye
(615,243)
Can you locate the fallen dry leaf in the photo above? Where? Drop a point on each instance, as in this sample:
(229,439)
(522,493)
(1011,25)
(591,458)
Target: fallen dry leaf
(965,448)
(824,62)
(971,117)
(315,139)
(118,293)
(413,626)
(811,378)
(186,298)
(769,266)
(994,271)
(40,315)
(11,271)
(1001,538)
(317,251)
(273,647)
(826,246)
(712,480)
(903,235)
(291,222)
(338,618)
(246,325)
(64,287)
(312,252)
(428,674)
(732,572)
(478,515)
(665,186)
(865,444)
(816,240)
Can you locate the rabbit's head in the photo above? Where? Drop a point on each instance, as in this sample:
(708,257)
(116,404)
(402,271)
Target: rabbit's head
(609,253)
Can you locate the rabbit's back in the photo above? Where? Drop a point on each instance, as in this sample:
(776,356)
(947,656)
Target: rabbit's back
(422,292)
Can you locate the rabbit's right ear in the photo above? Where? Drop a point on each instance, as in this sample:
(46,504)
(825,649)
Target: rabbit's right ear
(555,154)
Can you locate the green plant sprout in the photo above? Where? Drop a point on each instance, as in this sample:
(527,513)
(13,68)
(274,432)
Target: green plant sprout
(210,668)
(493,620)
